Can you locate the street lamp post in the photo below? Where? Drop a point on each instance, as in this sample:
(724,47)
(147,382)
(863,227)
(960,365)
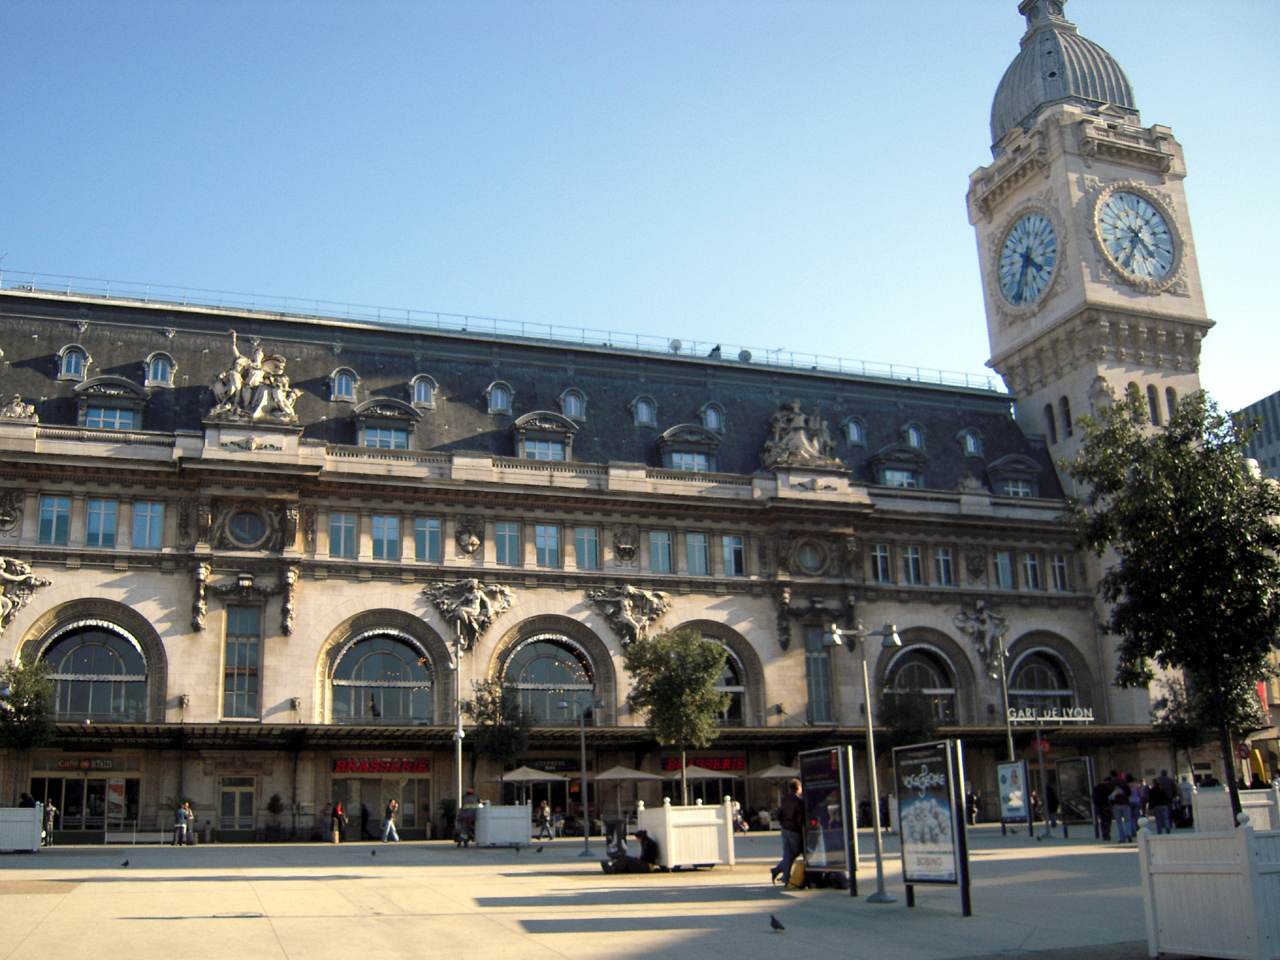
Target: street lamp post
(889,639)
(458,733)
(582,755)
(1003,677)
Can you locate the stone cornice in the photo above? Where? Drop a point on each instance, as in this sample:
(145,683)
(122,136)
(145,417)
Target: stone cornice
(1096,334)
(991,185)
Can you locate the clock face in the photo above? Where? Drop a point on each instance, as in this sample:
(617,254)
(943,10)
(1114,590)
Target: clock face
(1027,259)
(1135,236)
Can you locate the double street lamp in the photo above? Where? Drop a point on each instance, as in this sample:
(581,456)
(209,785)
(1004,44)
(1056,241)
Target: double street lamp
(582,749)
(889,640)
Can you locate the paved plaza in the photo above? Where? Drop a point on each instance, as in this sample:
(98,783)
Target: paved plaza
(1060,898)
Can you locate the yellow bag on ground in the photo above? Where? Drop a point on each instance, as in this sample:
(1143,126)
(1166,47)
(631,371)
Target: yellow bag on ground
(797,873)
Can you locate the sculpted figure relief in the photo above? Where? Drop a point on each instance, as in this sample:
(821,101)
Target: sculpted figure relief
(797,439)
(469,605)
(985,629)
(630,611)
(254,388)
(18,409)
(10,510)
(17,584)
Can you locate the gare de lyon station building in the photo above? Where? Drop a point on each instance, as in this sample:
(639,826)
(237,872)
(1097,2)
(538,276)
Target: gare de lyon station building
(252,558)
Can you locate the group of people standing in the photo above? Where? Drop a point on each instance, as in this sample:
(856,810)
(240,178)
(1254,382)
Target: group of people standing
(184,825)
(1119,799)
(338,822)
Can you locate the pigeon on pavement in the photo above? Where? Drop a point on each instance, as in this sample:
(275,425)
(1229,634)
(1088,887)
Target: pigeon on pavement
(774,922)
(125,864)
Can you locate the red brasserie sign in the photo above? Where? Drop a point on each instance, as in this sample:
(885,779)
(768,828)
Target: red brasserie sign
(730,764)
(405,765)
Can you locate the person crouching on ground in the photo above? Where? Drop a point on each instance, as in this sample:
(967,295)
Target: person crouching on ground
(648,859)
(791,821)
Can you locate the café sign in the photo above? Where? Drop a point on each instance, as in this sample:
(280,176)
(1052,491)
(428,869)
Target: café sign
(1050,715)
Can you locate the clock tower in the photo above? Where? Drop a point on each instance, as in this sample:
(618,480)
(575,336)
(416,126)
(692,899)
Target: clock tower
(1088,266)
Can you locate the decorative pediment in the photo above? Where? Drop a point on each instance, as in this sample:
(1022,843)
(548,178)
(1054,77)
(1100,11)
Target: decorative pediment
(1014,465)
(690,436)
(898,455)
(111,388)
(387,408)
(544,421)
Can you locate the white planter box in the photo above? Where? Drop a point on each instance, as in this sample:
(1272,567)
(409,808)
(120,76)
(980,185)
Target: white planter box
(1211,809)
(503,826)
(20,828)
(1212,894)
(690,836)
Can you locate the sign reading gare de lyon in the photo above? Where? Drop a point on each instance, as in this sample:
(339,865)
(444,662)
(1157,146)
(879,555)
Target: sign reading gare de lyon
(1051,715)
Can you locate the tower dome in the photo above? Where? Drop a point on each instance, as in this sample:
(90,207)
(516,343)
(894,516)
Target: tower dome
(1055,65)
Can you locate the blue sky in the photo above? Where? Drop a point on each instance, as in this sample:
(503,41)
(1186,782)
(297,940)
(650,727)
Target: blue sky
(770,174)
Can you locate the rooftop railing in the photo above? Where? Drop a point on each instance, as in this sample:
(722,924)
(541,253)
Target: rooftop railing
(408,318)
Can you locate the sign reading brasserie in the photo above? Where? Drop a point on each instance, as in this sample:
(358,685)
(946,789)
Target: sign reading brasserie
(1050,715)
(381,765)
(927,813)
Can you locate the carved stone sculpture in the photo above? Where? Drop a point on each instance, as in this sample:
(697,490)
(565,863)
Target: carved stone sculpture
(470,606)
(10,510)
(975,565)
(986,630)
(470,535)
(797,439)
(254,388)
(629,610)
(288,611)
(784,617)
(626,542)
(17,584)
(309,527)
(199,599)
(18,409)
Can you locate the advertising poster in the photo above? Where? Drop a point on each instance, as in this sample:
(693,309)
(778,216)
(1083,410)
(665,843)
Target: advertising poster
(115,800)
(927,814)
(1075,789)
(1012,778)
(827,809)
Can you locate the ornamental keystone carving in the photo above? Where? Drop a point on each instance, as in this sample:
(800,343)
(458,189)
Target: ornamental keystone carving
(470,535)
(10,510)
(630,610)
(986,630)
(469,605)
(626,542)
(17,584)
(254,388)
(19,409)
(797,439)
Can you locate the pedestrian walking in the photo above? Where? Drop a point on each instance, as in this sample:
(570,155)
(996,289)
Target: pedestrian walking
(337,822)
(179,825)
(1121,812)
(50,815)
(1101,796)
(389,823)
(544,821)
(1160,799)
(791,822)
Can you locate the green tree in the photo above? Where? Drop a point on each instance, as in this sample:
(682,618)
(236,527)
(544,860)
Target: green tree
(908,716)
(1193,585)
(501,731)
(26,709)
(1181,715)
(674,677)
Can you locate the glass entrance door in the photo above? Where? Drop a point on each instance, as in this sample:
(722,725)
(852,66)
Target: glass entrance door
(235,804)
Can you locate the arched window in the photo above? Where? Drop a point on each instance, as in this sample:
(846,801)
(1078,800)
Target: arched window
(922,673)
(645,411)
(713,417)
(73,361)
(971,443)
(1050,427)
(733,682)
(1064,407)
(1170,401)
(913,434)
(160,367)
(1134,395)
(99,673)
(383,676)
(500,396)
(343,385)
(1153,405)
(855,431)
(552,677)
(1040,681)
(573,403)
(424,391)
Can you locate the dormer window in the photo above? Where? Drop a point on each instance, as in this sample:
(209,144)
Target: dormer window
(342,385)
(386,423)
(160,370)
(913,435)
(73,362)
(689,446)
(110,403)
(573,404)
(713,417)
(645,411)
(971,443)
(855,432)
(544,435)
(500,397)
(1015,476)
(423,388)
(899,465)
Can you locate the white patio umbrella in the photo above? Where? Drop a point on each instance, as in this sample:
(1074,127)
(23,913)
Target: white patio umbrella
(526,775)
(618,775)
(777,772)
(694,772)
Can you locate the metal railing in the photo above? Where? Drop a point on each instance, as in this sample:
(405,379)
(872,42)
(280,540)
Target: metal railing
(409,318)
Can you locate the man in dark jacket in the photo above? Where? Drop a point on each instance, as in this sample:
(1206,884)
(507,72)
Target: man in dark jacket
(1101,796)
(623,863)
(791,820)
